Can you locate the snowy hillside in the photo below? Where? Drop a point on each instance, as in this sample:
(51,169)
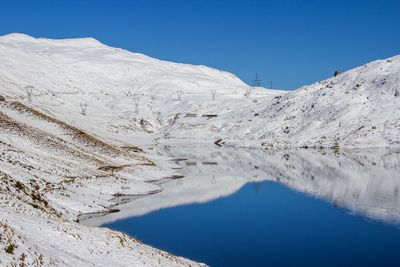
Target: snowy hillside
(52,169)
(66,73)
(79,119)
(50,172)
(359,108)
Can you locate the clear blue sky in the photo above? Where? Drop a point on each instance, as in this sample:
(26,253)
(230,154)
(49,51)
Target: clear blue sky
(290,42)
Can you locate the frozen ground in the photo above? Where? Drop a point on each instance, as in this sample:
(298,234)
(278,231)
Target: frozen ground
(74,115)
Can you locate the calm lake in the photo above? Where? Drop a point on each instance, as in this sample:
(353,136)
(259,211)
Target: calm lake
(284,208)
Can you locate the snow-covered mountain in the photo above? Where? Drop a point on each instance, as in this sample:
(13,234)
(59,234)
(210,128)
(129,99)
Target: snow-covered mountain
(76,117)
(66,73)
(359,108)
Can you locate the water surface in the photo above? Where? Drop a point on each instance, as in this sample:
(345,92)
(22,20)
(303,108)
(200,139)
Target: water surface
(251,208)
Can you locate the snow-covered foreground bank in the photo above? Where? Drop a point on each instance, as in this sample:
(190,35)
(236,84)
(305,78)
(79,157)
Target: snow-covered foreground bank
(74,115)
(32,241)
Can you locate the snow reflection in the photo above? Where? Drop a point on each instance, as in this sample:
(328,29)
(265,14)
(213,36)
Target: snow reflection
(364,182)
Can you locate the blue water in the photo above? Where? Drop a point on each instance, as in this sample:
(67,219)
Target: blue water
(267,224)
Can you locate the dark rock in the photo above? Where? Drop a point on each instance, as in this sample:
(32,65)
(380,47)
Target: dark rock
(337,72)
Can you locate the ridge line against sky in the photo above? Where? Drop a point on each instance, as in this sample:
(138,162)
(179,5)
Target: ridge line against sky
(291,42)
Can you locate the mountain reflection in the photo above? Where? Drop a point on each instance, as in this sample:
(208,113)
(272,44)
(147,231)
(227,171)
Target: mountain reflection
(365,182)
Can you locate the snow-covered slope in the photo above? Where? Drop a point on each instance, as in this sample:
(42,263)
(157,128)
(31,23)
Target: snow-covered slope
(52,169)
(359,108)
(66,73)
(50,172)
(74,114)
(33,241)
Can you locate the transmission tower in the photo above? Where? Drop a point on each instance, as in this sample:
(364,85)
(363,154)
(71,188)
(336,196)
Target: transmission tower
(179,94)
(257,81)
(136,100)
(213,91)
(83,108)
(29,91)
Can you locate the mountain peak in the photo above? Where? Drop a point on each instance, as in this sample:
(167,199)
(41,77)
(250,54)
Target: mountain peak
(21,38)
(17,37)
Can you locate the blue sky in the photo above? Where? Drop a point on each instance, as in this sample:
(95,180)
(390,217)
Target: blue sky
(292,43)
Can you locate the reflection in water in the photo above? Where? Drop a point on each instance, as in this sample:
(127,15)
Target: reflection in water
(240,208)
(363,182)
(271,213)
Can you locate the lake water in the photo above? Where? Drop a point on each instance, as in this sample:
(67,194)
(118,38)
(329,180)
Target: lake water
(254,208)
